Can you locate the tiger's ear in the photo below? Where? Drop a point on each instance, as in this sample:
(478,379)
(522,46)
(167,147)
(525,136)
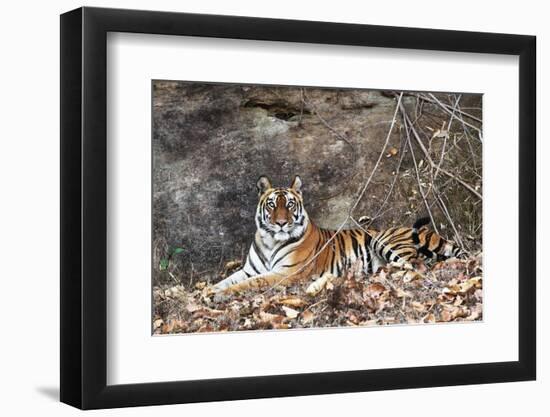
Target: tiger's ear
(263,185)
(297,184)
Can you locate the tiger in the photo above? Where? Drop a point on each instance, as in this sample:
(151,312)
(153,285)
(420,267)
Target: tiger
(289,247)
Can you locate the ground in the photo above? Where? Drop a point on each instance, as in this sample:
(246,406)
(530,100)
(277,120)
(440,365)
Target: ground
(447,291)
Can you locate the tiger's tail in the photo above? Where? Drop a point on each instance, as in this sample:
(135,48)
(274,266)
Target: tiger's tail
(433,246)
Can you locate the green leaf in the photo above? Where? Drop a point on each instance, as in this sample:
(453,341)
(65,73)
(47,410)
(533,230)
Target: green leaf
(163,264)
(175,251)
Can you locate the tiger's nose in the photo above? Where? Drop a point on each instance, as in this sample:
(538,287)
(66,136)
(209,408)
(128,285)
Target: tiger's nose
(281,222)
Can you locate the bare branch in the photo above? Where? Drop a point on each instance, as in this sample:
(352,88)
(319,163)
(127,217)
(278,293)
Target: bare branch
(390,191)
(430,160)
(425,98)
(448,216)
(445,108)
(405,122)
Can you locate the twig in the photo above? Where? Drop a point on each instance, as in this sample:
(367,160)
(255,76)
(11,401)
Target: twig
(314,305)
(445,139)
(328,126)
(172,276)
(440,157)
(301,107)
(192,274)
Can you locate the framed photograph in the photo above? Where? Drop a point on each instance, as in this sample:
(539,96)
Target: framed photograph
(283,208)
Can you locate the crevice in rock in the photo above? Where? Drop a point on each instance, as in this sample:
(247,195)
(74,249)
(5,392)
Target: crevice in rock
(280,109)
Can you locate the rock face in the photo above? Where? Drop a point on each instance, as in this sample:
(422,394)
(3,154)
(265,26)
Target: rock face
(211,142)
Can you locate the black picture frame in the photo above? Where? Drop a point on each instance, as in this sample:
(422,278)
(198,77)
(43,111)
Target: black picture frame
(84,207)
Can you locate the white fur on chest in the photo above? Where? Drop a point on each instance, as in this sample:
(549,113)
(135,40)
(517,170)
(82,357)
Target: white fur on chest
(268,245)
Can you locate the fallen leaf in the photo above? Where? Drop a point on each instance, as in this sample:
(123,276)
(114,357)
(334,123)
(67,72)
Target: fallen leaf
(206,328)
(392,152)
(352,318)
(400,293)
(418,306)
(398,274)
(258,300)
(478,294)
(475,312)
(307,316)
(374,290)
(440,133)
(270,318)
(458,300)
(173,292)
(209,312)
(290,312)
(429,318)
(280,325)
(370,303)
(400,265)
(232,264)
(470,283)
(446,316)
(411,276)
(200,285)
(191,307)
(451,312)
(453,287)
(292,301)
(168,327)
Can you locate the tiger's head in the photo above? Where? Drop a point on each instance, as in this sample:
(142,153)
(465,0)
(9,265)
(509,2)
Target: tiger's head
(280,214)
